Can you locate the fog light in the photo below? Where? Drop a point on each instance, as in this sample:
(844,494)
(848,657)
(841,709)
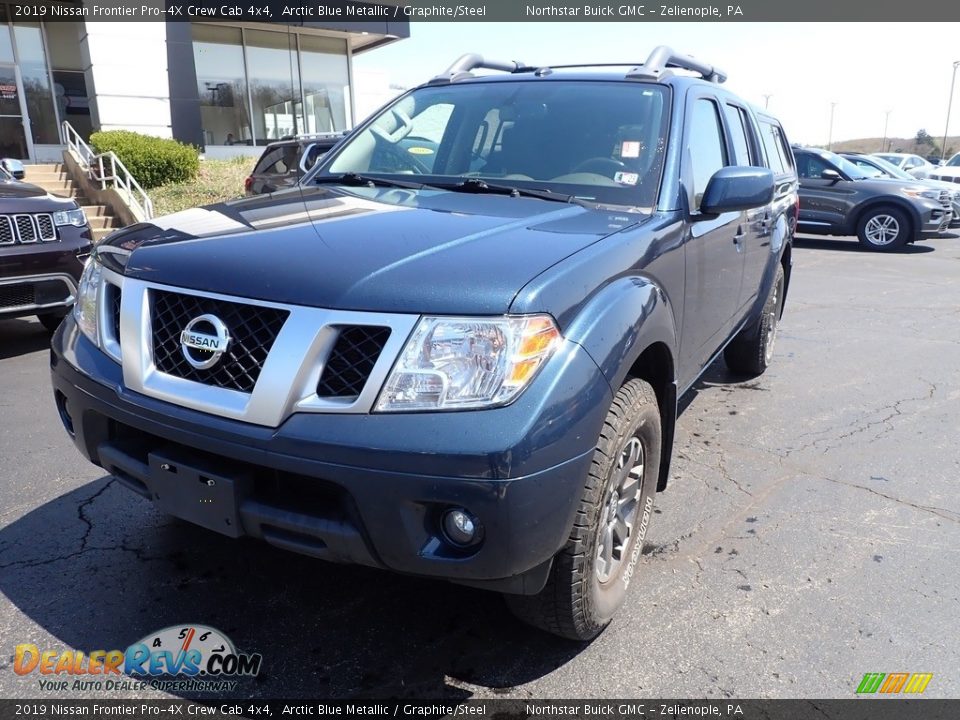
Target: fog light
(460,527)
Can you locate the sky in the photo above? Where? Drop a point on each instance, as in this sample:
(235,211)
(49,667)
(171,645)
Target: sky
(865,68)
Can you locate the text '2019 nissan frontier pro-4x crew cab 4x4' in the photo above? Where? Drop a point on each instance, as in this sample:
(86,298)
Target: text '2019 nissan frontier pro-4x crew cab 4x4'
(456,349)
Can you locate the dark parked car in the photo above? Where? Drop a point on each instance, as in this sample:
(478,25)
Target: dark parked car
(876,167)
(837,198)
(469,373)
(285,162)
(44,240)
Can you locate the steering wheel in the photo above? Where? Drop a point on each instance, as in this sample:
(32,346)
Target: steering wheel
(599,166)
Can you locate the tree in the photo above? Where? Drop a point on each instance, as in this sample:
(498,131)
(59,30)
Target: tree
(924,138)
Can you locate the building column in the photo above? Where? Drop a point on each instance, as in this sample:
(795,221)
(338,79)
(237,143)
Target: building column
(125,64)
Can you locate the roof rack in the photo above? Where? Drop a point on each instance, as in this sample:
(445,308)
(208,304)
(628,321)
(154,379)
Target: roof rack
(658,66)
(461,69)
(664,57)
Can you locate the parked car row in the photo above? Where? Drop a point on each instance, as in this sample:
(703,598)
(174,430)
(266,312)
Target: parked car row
(922,169)
(283,163)
(838,196)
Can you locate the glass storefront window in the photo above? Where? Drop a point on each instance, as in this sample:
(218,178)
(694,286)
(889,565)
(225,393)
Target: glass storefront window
(326,82)
(6,45)
(274,85)
(36,83)
(221,85)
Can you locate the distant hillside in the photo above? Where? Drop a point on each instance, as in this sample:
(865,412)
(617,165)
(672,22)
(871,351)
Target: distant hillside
(907,145)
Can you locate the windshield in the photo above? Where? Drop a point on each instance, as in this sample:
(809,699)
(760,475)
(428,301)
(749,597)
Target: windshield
(893,159)
(891,169)
(843,165)
(869,169)
(954,161)
(601,141)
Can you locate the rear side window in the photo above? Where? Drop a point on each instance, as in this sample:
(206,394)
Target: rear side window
(706,146)
(738,131)
(277,161)
(774,148)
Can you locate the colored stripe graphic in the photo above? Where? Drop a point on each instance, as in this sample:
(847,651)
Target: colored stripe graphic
(870,683)
(894,682)
(918,682)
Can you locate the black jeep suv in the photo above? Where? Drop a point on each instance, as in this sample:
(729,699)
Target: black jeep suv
(43,242)
(459,359)
(838,198)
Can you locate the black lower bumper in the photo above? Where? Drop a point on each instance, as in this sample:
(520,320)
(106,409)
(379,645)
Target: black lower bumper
(240,479)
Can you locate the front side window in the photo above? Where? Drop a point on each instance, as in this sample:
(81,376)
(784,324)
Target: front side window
(601,141)
(706,146)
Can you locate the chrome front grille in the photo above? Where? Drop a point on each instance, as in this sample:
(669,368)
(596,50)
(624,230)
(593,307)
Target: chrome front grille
(252,330)
(27,228)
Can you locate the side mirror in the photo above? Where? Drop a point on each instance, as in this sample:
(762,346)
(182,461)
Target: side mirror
(14,167)
(732,189)
(832,175)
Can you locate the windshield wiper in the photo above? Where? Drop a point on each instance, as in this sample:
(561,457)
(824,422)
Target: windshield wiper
(476,185)
(353,179)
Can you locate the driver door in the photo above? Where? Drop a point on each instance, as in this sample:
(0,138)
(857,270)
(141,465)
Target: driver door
(824,200)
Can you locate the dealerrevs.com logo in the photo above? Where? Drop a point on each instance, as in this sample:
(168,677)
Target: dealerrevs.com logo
(177,658)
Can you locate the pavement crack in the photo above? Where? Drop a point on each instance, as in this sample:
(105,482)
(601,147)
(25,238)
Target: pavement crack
(82,516)
(939,512)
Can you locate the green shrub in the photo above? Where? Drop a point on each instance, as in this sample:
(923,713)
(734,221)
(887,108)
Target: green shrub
(151,160)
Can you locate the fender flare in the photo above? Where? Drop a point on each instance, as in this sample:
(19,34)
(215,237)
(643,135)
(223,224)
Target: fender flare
(625,319)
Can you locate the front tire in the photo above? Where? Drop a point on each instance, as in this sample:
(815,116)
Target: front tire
(751,352)
(589,578)
(884,229)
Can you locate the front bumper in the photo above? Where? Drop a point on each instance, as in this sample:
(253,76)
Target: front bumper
(365,488)
(42,277)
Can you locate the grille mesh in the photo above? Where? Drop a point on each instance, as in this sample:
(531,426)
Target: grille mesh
(45,227)
(25,228)
(6,230)
(12,296)
(252,329)
(115,310)
(351,360)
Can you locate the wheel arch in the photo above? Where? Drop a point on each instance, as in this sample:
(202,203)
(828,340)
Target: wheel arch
(885,201)
(629,331)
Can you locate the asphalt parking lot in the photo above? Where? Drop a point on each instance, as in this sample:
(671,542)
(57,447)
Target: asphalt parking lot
(810,534)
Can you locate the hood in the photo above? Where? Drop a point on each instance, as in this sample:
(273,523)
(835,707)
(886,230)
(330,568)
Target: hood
(16,189)
(377,249)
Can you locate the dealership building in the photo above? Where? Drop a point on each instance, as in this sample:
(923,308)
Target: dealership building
(223,86)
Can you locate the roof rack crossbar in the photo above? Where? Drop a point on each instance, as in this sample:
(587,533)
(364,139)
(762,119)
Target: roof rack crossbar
(461,69)
(664,57)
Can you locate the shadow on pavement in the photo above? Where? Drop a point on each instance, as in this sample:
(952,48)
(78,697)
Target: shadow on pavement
(851,245)
(22,336)
(99,569)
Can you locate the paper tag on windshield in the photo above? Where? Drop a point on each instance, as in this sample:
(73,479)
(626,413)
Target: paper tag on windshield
(630,149)
(626,178)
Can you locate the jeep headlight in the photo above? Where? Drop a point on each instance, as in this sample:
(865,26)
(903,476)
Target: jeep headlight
(85,310)
(458,363)
(70,217)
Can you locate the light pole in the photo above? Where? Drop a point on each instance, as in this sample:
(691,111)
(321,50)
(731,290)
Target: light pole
(886,123)
(943,148)
(766,100)
(830,135)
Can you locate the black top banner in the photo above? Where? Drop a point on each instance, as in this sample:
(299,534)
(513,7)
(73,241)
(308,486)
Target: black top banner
(491,709)
(293,11)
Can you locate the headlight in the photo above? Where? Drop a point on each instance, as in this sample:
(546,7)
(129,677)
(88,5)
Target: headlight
(88,295)
(920,192)
(461,363)
(70,217)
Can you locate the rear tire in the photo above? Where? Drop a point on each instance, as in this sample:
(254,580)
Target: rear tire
(589,578)
(884,229)
(751,352)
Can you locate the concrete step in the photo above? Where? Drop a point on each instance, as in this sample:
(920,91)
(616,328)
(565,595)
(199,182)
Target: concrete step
(43,167)
(51,176)
(100,233)
(54,186)
(93,210)
(101,222)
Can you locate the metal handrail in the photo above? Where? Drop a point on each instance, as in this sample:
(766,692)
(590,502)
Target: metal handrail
(107,169)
